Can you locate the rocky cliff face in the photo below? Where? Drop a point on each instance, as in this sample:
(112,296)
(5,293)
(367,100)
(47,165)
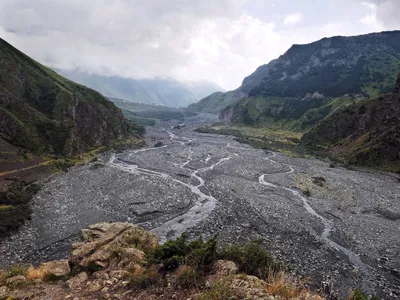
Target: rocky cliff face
(366,133)
(332,67)
(312,75)
(46,113)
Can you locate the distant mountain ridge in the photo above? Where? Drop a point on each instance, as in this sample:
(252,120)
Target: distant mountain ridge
(365,65)
(46,113)
(160,91)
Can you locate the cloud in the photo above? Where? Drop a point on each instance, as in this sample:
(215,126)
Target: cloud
(293,19)
(218,40)
(383,12)
(132,38)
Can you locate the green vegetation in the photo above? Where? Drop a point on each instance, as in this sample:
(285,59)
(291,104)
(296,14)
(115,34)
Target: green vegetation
(220,291)
(362,133)
(319,181)
(50,114)
(146,114)
(252,259)
(330,68)
(18,209)
(214,103)
(174,253)
(360,295)
(189,277)
(270,138)
(307,192)
(12,271)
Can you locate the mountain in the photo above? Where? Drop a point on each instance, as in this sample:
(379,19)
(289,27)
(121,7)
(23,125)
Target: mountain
(366,133)
(166,92)
(44,112)
(321,76)
(216,102)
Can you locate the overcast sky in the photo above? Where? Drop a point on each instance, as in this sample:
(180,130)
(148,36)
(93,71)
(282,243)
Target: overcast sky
(217,40)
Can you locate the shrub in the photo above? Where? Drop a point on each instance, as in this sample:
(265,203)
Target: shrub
(49,277)
(319,181)
(202,254)
(198,253)
(143,279)
(252,259)
(358,295)
(307,192)
(64,165)
(188,277)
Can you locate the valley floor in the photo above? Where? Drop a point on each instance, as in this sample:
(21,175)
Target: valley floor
(344,234)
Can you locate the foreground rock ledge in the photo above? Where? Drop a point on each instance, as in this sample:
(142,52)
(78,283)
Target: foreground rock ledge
(102,265)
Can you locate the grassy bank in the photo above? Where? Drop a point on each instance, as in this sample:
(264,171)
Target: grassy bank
(284,141)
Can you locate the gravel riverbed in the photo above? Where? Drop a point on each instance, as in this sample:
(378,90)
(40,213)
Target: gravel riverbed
(344,235)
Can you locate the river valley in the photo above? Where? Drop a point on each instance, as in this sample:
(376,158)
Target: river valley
(345,234)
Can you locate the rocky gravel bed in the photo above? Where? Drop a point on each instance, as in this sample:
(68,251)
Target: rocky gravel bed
(209,184)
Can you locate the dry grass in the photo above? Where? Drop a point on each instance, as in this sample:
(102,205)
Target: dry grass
(281,285)
(138,271)
(152,272)
(12,271)
(6,207)
(221,290)
(36,273)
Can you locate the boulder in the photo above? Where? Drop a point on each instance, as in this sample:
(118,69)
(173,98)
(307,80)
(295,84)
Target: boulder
(4,291)
(57,268)
(93,286)
(158,144)
(225,268)
(78,280)
(112,244)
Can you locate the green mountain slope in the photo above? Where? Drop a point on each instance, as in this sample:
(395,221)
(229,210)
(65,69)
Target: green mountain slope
(146,114)
(44,112)
(216,102)
(366,133)
(320,76)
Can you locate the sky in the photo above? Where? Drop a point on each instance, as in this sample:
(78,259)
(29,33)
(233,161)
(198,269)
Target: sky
(215,40)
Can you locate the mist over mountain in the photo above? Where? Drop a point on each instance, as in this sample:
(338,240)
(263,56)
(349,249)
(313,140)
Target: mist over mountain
(160,91)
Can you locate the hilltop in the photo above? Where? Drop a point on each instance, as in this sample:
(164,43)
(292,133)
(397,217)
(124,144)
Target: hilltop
(308,82)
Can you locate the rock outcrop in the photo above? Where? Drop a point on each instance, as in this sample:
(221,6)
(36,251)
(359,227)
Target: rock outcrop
(112,245)
(111,263)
